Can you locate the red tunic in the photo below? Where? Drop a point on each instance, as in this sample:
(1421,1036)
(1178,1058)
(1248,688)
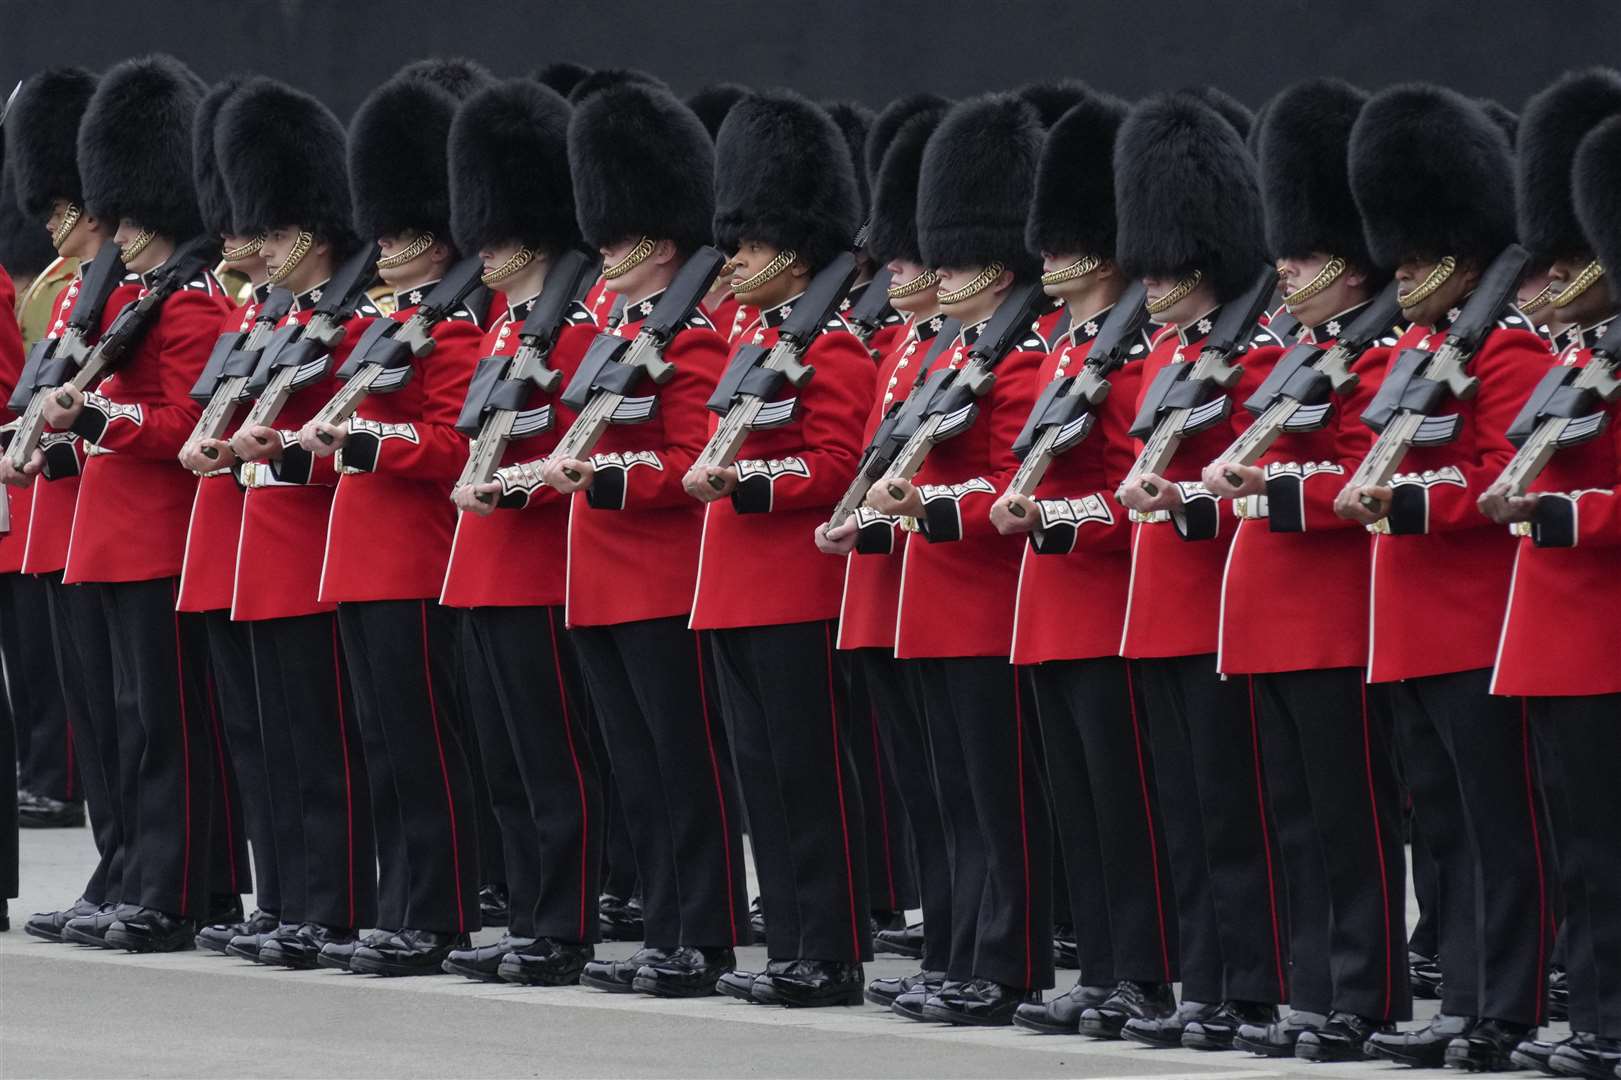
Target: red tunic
(392,520)
(634,534)
(13,541)
(872,573)
(1173,601)
(1072,580)
(1295,593)
(960,575)
(135,497)
(1559,634)
(516,557)
(758,564)
(1440,578)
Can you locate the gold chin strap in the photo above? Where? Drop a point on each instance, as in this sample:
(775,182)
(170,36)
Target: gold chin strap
(1075,270)
(634,258)
(1329,274)
(520,259)
(423,242)
(70,218)
(1539,301)
(301,247)
(783,261)
(1584,281)
(1177,294)
(1433,281)
(136,246)
(986,278)
(242,251)
(928,279)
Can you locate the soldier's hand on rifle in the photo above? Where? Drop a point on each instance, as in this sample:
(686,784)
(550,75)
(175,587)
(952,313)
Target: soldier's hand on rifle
(897,498)
(1218,477)
(1348,503)
(840,540)
(1011,522)
(1506,509)
(195,456)
(477,499)
(24,476)
(568,475)
(61,416)
(707,483)
(252,444)
(310,437)
(1136,497)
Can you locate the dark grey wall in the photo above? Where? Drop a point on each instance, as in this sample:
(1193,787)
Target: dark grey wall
(865,49)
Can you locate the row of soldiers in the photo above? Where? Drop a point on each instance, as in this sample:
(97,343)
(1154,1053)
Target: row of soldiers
(1213,662)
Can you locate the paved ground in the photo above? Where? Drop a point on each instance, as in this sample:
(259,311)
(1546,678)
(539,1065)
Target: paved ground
(67,1011)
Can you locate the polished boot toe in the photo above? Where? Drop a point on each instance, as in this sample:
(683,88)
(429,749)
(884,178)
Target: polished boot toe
(546,962)
(1278,1038)
(407,952)
(301,950)
(249,945)
(217,937)
(737,984)
(337,954)
(1166,1030)
(47,925)
(1343,1038)
(689,971)
(1130,1001)
(982,1003)
(1065,952)
(152,931)
(883,992)
(43,812)
(1420,1048)
(1587,1055)
(92,929)
(757,920)
(910,1005)
(1488,1046)
(1061,1015)
(619,976)
(1217,1031)
(907,942)
(809,984)
(1535,1054)
(484,962)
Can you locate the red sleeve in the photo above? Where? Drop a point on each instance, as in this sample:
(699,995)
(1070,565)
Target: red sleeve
(11,344)
(1589,517)
(429,447)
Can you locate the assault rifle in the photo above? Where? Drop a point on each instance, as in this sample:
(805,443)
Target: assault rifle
(223,384)
(1563,411)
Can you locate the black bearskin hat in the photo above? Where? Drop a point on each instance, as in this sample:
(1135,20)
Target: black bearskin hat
(399,177)
(1503,117)
(561,76)
(1554,124)
(855,120)
(283,155)
(642,165)
(1186,195)
(606,78)
(509,175)
(25,246)
(714,101)
(213,196)
(1072,212)
(783,177)
(1053,99)
(135,146)
(1432,176)
(896,153)
(1232,110)
(1304,137)
(1598,197)
(42,138)
(456,75)
(974,189)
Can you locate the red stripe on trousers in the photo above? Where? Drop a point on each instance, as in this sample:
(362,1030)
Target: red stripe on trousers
(579,775)
(1540,992)
(444,773)
(1148,818)
(1266,846)
(838,783)
(720,789)
(1378,845)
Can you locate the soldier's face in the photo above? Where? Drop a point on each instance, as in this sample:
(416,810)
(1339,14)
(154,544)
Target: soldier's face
(252,265)
(148,258)
(980,305)
(1430,310)
(753,256)
(1585,308)
(1192,306)
(639,280)
(919,303)
(1344,292)
(81,241)
(424,268)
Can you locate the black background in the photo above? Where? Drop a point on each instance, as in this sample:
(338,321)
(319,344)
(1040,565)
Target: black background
(869,50)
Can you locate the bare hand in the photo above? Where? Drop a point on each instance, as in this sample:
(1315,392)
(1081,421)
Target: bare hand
(196,457)
(1218,477)
(58,415)
(568,475)
(1506,509)
(323,440)
(1014,514)
(252,444)
(19,478)
(1348,503)
(840,540)
(1165,495)
(707,483)
(897,498)
(477,499)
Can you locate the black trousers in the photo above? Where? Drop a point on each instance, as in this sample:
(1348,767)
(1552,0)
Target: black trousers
(997,821)
(620,877)
(524,689)
(168,753)
(1587,733)
(492,868)
(1100,775)
(8,800)
(647,682)
(315,771)
(44,749)
(789,729)
(897,695)
(401,656)
(83,653)
(890,872)
(1336,806)
(1207,764)
(1472,770)
(241,804)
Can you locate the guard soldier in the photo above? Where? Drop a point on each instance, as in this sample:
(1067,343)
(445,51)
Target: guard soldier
(875,548)
(643,170)
(389,539)
(135,158)
(11,362)
(42,134)
(712,103)
(955,612)
(786,204)
(1191,229)
(1564,587)
(1329,758)
(513,203)
(1077,558)
(1433,179)
(282,156)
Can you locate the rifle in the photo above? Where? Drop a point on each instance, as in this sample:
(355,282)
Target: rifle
(755,372)
(1420,381)
(52,360)
(297,355)
(493,413)
(1562,412)
(1294,396)
(613,364)
(1067,408)
(951,396)
(885,444)
(866,316)
(224,381)
(1182,399)
(383,356)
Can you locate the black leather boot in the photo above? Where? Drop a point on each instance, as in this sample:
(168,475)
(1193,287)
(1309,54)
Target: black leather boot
(1061,1015)
(617,976)
(810,984)
(484,962)
(407,952)
(152,931)
(1130,1001)
(1420,1048)
(546,962)
(1343,1038)
(686,972)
